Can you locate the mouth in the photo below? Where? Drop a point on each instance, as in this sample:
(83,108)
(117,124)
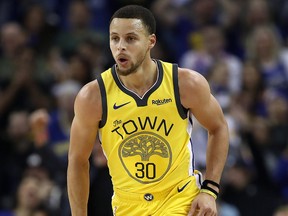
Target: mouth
(122,60)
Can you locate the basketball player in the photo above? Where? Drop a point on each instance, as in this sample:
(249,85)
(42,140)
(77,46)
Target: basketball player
(142,108)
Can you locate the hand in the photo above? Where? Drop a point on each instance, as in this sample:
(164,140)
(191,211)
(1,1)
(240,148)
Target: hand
(203,205)
(39,120)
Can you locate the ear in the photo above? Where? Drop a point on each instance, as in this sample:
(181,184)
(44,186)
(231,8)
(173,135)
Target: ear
(152,40)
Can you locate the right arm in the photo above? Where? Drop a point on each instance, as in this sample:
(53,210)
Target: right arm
(88,113)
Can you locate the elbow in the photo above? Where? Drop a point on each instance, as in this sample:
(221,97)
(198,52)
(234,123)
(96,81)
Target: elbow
(75,159)
(220,132)
(220,128)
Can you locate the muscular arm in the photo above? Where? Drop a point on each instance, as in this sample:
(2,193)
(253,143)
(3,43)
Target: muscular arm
(84,129)
(195,95)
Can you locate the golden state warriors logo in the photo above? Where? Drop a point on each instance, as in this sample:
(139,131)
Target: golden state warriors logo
(145,156)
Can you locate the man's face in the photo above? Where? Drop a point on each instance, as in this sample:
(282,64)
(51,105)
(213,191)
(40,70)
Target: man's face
(129,43)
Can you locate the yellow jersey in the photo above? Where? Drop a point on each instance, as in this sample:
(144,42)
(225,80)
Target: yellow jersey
(147,140)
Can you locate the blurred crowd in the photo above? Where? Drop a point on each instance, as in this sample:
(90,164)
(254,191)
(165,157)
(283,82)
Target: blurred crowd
(51,48)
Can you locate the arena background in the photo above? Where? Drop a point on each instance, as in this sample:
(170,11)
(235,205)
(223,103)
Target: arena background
(51,48)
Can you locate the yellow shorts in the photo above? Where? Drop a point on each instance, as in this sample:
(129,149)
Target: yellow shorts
(175,201)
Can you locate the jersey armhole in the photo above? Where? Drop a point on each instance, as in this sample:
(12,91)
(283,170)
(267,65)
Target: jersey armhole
(104,101)
(181,110)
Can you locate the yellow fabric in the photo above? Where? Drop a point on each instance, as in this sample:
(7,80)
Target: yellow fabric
(147,145)
(173,203)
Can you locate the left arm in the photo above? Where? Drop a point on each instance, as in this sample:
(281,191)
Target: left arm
(196,96)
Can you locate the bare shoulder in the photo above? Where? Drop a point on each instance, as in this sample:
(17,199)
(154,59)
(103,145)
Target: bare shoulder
(193,87)
(89,93)
(88,102)
(191,79)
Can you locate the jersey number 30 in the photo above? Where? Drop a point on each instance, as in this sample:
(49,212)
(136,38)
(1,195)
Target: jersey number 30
(148,170)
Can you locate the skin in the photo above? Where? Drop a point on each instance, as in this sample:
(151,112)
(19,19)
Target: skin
(130,40)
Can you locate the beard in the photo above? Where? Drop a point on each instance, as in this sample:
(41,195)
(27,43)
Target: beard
(130,70)
(133,67)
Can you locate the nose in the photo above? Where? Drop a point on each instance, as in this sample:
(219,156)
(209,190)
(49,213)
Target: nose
(121,45)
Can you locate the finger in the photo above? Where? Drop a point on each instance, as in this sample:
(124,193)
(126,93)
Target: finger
(211,214)
(201,212)
(207,212)
(193,209)
(194,212)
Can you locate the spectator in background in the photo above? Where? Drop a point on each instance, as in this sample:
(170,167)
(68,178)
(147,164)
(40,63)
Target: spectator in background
(257,13)
(218,78)
(33,191)
(231,20)
(241,191)
(95,54)
(15,149)
(259,143)
(205,12)
(101,11)
(179,19)
(23,82)
(277,107)
(250,100)
(38,121)
(83,65)
(244,106)
(26,149)
(27,87)
(277,116)
(52,131)
(264,47)
(13,38)
(56,65)
(79,69)
(40,33)
(61,117)
(47,158)
(79,28)
(212,50)
(169,14)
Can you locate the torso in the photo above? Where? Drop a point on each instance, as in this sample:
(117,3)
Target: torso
(146,139)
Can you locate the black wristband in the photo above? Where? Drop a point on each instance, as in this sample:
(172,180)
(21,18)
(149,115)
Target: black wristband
(210,189)
(206,182)
(206,187)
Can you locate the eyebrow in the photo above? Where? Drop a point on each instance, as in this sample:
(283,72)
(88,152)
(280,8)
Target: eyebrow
(129,33)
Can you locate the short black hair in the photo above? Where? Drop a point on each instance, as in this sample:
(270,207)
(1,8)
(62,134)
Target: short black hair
(137,12)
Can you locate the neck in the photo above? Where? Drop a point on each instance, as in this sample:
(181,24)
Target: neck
(142,79)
